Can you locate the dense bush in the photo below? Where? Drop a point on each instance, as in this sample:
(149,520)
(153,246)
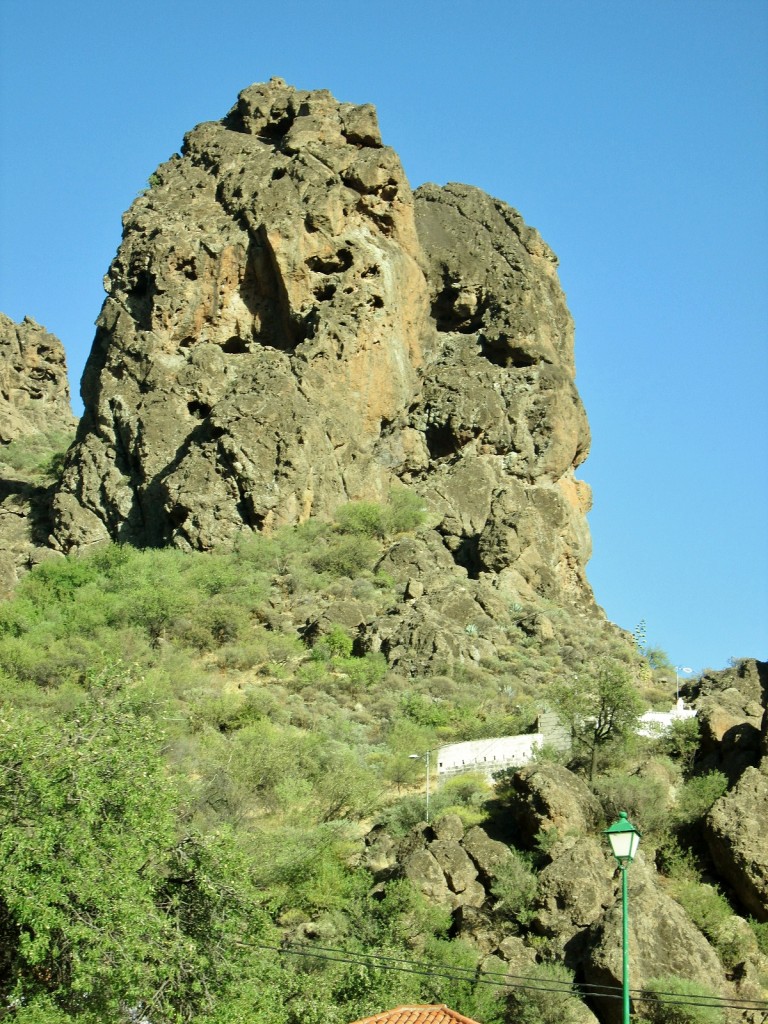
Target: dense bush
(674,1000)
(515,887)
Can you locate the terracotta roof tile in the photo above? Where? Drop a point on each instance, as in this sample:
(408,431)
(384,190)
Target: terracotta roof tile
(417,1015)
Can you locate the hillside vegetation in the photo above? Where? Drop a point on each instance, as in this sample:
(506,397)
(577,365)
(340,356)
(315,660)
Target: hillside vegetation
(185,785)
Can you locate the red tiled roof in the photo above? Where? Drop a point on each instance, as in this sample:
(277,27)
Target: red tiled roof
(417,1015)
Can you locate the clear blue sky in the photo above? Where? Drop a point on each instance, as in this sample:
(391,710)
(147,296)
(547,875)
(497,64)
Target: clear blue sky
(633,135)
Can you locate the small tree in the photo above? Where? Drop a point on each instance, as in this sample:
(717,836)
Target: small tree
(601,708)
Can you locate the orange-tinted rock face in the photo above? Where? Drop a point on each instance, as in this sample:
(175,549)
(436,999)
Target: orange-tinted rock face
(288,327)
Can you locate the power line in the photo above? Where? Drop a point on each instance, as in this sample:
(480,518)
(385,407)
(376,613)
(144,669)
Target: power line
(525,982)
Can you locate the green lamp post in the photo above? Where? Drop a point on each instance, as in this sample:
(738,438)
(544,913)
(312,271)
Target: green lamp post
(624,839)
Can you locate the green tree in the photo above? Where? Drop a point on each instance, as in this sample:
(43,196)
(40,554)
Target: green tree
(601,708)
(105,903)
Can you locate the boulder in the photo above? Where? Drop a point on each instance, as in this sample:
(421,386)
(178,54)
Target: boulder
(663,942)
(573,891)
(547,796)
(731,706)
(36,421)
(735,834)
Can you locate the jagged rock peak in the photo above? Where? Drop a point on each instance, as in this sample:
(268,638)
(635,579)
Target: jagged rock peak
(34,390)
(288,327)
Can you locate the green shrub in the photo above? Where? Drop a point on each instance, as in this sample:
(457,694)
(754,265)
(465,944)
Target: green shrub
(760,931)
(335,643)
(403,512)
(644,798)
(362,518)
(406,510)
(347,556)
(681,741)
(710,911)
(515,887)
(547,997)
(671,1000)
(698,795)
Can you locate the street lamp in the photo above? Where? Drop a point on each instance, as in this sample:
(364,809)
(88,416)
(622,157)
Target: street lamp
(423,757)
(624,839)
(678,670)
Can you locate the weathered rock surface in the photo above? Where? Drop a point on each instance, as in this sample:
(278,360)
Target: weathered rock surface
(735,831)
(288,327)
(663,942)
(547,796)
(35,415)
(572,892)
(34,390)
(731,705)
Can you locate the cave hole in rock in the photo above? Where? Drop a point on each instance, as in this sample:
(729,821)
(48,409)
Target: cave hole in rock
(278,173)
(277,129)
(139,299)
(502,353)
(235,346)
(441,441)
(325,292)
(372,271)
(178,515)
(200,410)
(452,318)
(467,555)
(142,285)
(340,261)
(187,342)
(376,301)
(187,268)
(309,225)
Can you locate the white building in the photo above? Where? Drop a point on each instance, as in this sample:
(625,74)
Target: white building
(655,723)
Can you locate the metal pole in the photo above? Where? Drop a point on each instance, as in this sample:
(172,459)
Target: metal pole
(427,787)
(625,944)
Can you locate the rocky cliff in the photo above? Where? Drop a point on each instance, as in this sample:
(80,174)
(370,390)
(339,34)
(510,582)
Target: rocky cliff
(34,391)
(35,421)
(289,327)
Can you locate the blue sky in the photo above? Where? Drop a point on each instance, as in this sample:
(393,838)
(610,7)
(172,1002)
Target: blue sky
(633,135)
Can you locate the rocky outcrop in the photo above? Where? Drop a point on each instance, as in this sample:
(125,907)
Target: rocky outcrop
(663,942)
(288,327)
(545,799)
(575,917)
(35,420)
(730,706)
(34,390)
(735,834)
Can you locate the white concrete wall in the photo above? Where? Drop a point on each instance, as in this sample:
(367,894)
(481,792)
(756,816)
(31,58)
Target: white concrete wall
(489,755)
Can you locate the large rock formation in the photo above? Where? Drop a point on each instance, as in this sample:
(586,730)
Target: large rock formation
(288,327)
(35,420)
(34,390)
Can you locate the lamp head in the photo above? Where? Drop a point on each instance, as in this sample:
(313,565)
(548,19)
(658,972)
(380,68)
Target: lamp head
(624,839)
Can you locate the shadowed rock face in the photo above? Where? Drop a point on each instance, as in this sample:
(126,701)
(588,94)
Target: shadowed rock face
(288,327)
